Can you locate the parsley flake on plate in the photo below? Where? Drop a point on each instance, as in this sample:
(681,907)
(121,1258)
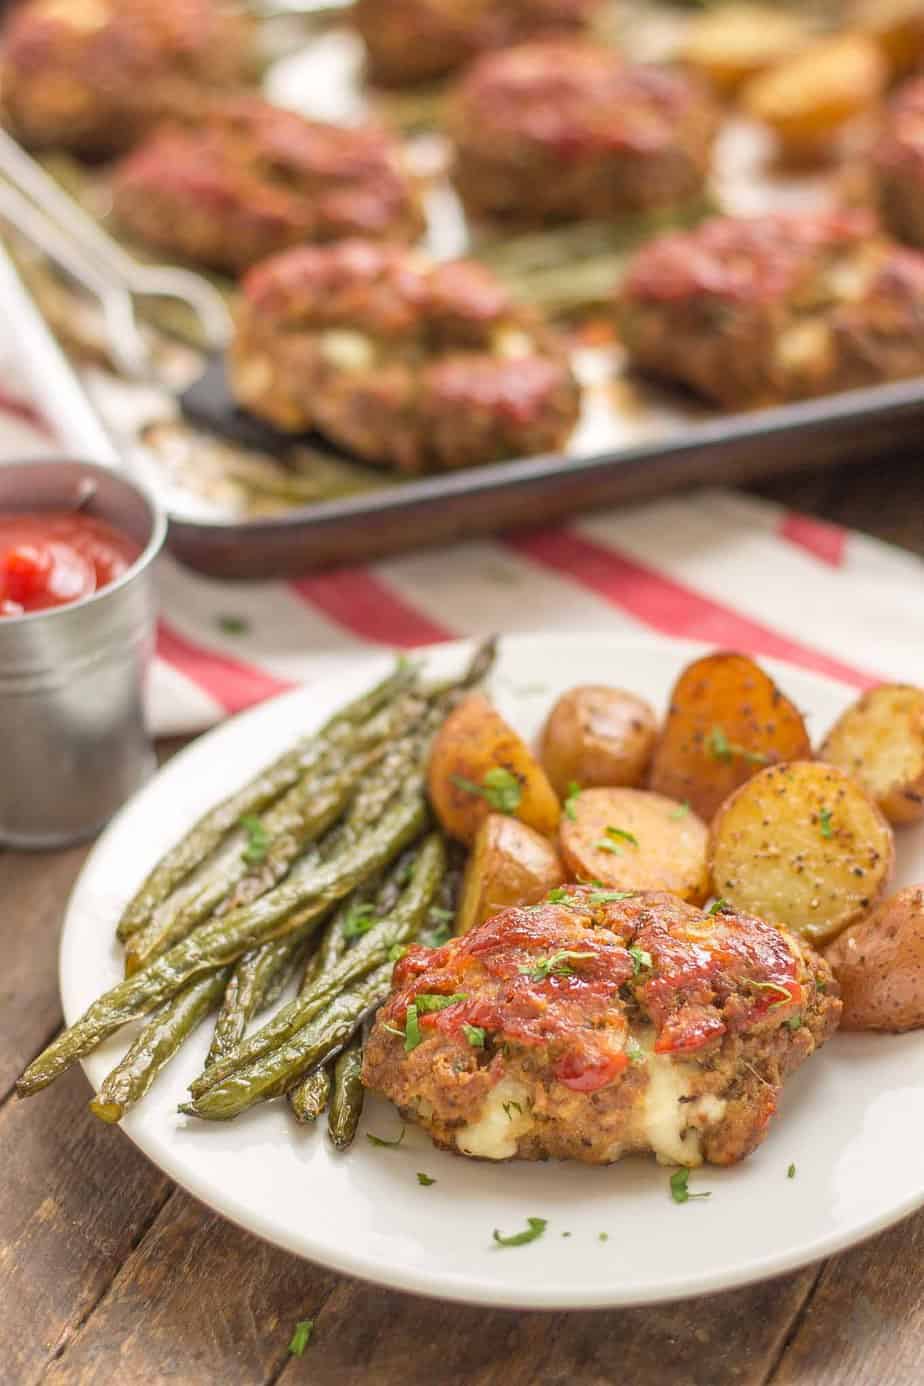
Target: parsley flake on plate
(824,820)
(301,1337)
(682,810)
(383,1143)
(533,1230)
(791,1172)
(475,1035)
(571,798)
(680,1193)
(719,906)
(500,788)
(430,1001)
(720,748)
(424,1179)
(232,625)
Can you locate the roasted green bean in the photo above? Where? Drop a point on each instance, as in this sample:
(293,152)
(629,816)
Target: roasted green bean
(269,1071)
(347,1094)
(303,898)
(253,797)
(310,1096)
(246,992)
(156,1045)
(370,952)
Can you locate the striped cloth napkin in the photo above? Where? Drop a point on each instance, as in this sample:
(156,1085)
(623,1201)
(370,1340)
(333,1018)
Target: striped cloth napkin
(715,566)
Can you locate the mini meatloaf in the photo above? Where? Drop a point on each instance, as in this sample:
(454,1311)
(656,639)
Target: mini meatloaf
(92,75)
(556,130)
(898,165)
(749,312)
(253,179)
(418,366)
(600,1026)
(418,40)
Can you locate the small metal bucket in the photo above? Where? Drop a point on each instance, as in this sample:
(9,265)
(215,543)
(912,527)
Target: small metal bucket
(73,743)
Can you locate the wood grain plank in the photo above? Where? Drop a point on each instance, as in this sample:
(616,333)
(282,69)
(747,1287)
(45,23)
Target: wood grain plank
(77,1196)
(865,1324)
(365,1335)
(34,890)
(198,1301)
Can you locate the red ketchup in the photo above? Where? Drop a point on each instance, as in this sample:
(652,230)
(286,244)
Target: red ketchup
(54,557)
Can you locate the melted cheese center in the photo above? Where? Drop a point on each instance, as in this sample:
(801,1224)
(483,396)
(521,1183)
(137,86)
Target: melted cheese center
(495,1134)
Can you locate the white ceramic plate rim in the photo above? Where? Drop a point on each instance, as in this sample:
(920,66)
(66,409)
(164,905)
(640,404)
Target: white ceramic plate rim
(352,1260)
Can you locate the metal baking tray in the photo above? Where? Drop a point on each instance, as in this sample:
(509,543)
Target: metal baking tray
(634,440)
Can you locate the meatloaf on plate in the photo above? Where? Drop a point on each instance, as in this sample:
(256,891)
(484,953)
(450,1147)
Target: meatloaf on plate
(755,311)
(92,75)
(415,365)
(601,1025)
(252,179)
(898,165)
(417,40)
(558,129)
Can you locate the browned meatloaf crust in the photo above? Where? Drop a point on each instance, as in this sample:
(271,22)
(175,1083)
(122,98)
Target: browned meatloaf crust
(417,40)
(419,366)
(756,311)
(554,130)
(597,1026)
(898,165)
(253,179)
(92,75)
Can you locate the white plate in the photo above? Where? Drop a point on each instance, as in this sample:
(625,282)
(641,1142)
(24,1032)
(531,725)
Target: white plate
(852,1119)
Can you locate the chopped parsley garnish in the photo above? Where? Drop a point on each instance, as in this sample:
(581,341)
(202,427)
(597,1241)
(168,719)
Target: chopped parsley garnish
(782,992)
(431,1001)
(534,1229)
(424,1179)
(396,952)
(622,835)
(359,921)
(821,985)
(605,897)
(791,1172)
(603,1236)
(640,958)
(233,625)
(824,819)
(500,787)
(257,840)
(605,845)
(680,1193)
(412,1035)
(634,1051)
(386,1145)
(795,1022)
(301,1337)
(555,965)
(720,748)
(574,790)
(475,1035)
(507,1107)
(681,811)
(718,906)
(560,896)
(557,896)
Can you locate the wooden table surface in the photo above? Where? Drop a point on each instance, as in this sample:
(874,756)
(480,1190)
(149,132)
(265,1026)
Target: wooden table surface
(109,1273)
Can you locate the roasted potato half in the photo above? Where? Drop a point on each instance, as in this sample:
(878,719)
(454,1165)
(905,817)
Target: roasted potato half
(726,720)
(596,735)
(732,43)
(801,845)
(879,964)
(807,99)
(880,742)
(631,839)
(509,864)
(478,764)
(897,26)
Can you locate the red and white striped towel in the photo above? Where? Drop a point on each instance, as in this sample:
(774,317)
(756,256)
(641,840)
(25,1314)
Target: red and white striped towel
(715,566)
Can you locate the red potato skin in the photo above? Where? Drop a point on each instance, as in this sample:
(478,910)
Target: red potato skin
(597,735)
(879,965)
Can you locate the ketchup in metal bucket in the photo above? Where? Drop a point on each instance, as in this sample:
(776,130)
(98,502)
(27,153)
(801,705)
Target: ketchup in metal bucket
(54,557)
